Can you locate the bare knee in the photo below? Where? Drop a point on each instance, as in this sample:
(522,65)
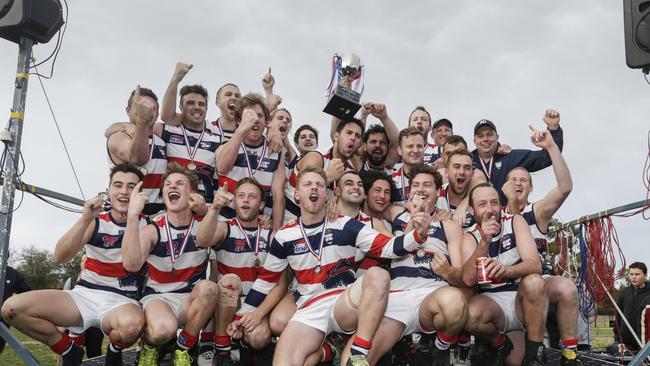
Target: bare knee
(12,309)
(161,331)
(278,321)
(475,315)
(564,292)
(206,291)
(376,279)
(533,287)
(453,305)
(260,338)
(130,326)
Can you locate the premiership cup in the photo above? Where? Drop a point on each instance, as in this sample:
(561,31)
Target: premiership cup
(343,102)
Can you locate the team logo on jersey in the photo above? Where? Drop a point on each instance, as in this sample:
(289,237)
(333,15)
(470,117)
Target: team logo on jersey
(329,237)
(506,241)
(342,274)
(262,244)
(109,241)
(300,247)
(265,163)
(205,145)
(425,259)
(240,246)
(175,139)
(497,164)
(128,281)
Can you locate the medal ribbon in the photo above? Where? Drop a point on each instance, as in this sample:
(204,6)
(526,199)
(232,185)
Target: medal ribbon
(488,172)
(401,176)
(192,151)
(248,240)
(322,237)
(252,172)
(169,239)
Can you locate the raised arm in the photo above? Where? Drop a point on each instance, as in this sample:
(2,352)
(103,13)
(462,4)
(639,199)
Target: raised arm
(379,112)
(79,234)
(226,154)
(540,159)
(143,116)
(212,232)
(548,206)
(277,191)
(168,111)
(137,242)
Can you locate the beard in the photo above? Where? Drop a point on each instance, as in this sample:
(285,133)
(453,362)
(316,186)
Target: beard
(374,161)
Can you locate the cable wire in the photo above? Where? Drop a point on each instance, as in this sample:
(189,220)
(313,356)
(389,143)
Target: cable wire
(65,147)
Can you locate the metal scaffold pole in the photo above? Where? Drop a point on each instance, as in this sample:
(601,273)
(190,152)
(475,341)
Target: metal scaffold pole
(10,169)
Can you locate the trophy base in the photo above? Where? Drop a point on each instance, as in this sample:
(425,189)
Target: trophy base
(343,103)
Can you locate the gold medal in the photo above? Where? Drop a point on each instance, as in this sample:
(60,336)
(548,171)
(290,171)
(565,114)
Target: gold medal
(258,263)
(420,253)
(317,269)
(191,166)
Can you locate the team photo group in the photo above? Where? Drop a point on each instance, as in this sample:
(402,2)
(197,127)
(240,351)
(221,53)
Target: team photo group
(230,239)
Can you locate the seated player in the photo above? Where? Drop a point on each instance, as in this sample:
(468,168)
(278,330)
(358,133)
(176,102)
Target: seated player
(106,295)
(241,244)
(420,298)
(176,292)
(515,297)
(562,291)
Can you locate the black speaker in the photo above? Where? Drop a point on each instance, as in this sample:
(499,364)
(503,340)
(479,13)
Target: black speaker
(37,20)
(637,33)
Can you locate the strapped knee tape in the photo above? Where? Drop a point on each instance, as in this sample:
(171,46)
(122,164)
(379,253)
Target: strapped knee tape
(353,293)
(228,296)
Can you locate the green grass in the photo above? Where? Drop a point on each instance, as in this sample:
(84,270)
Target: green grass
(40,351)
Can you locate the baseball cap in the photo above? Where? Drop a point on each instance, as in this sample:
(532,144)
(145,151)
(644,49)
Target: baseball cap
(442,120)
(484,122)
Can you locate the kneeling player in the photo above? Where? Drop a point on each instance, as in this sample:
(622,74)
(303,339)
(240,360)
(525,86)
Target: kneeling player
(106,295)
(176,291)
(421,300)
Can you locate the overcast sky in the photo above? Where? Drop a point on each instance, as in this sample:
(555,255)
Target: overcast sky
(502,60)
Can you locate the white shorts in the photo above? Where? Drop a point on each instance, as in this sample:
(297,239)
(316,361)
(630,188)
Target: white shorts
(506,301)
(93,306)
(174,300)
(318,313)
(404,306)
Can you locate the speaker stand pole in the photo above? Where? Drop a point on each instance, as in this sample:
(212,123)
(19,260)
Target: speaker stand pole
(8,189)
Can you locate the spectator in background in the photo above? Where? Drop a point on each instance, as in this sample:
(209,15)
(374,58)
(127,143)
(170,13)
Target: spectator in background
(632,301)
(14,284)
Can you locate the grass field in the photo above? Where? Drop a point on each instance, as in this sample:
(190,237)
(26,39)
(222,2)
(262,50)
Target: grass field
(601,335)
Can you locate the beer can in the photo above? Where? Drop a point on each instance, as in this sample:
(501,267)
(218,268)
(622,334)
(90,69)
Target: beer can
(481,274)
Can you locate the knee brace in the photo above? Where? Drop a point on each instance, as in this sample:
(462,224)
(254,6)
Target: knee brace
(353,293)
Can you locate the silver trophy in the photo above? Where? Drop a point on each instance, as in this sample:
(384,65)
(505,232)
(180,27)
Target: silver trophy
(343,102)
